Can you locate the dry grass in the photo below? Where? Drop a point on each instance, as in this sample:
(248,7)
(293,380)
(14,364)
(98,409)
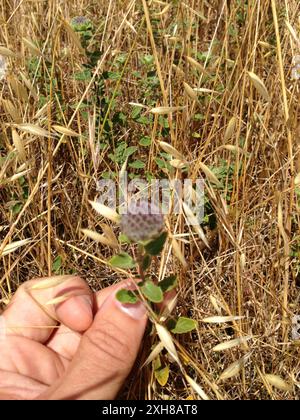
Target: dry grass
(248,126)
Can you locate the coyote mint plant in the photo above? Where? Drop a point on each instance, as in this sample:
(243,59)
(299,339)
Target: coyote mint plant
(143,224)
(143,228)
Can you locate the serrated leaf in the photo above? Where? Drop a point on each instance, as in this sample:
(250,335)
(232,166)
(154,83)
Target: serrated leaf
(152,292)
(162,375)
(168,283)
(156,246)
(184,325)
(126,296)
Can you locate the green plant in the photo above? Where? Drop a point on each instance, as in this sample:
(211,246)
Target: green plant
(143,225)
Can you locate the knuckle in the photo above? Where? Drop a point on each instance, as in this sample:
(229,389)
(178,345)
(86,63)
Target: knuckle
(108,344)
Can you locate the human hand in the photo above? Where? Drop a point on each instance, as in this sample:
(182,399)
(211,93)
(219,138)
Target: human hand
(82,348)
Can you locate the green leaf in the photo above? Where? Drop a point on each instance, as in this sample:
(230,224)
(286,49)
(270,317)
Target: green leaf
(147,59)
(156,363)
(124,239)
(17,208)
(146,262)
(160,163)
(122,260)
(152,292)
(57,264)
(145,141)
(138,164)
(164,122)
(155,247)
(171,324)
(143,120)
(126,296)
(168,283)
(83,75)
(184,325)
(114,75)
(121,58)
(162,375)
(136,112)
(129,151)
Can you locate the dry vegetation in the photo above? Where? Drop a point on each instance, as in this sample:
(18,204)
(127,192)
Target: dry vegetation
(243,127)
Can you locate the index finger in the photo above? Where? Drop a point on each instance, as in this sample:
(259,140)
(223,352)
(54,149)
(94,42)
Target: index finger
(40,304)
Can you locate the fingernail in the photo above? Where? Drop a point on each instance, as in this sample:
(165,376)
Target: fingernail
(85,302)
(136,311)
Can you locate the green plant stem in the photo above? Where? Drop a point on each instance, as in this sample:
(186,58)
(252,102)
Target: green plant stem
(140,259)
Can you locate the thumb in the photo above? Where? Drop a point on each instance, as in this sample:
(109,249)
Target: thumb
(106,353)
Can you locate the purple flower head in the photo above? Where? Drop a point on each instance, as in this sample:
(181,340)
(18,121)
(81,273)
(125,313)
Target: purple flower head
(81,23)
(143,221)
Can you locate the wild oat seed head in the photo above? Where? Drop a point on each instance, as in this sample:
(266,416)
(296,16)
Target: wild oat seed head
(3,67)
(143,221)
(296,69)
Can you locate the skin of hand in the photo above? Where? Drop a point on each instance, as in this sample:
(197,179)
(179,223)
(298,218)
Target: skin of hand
(81,348)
